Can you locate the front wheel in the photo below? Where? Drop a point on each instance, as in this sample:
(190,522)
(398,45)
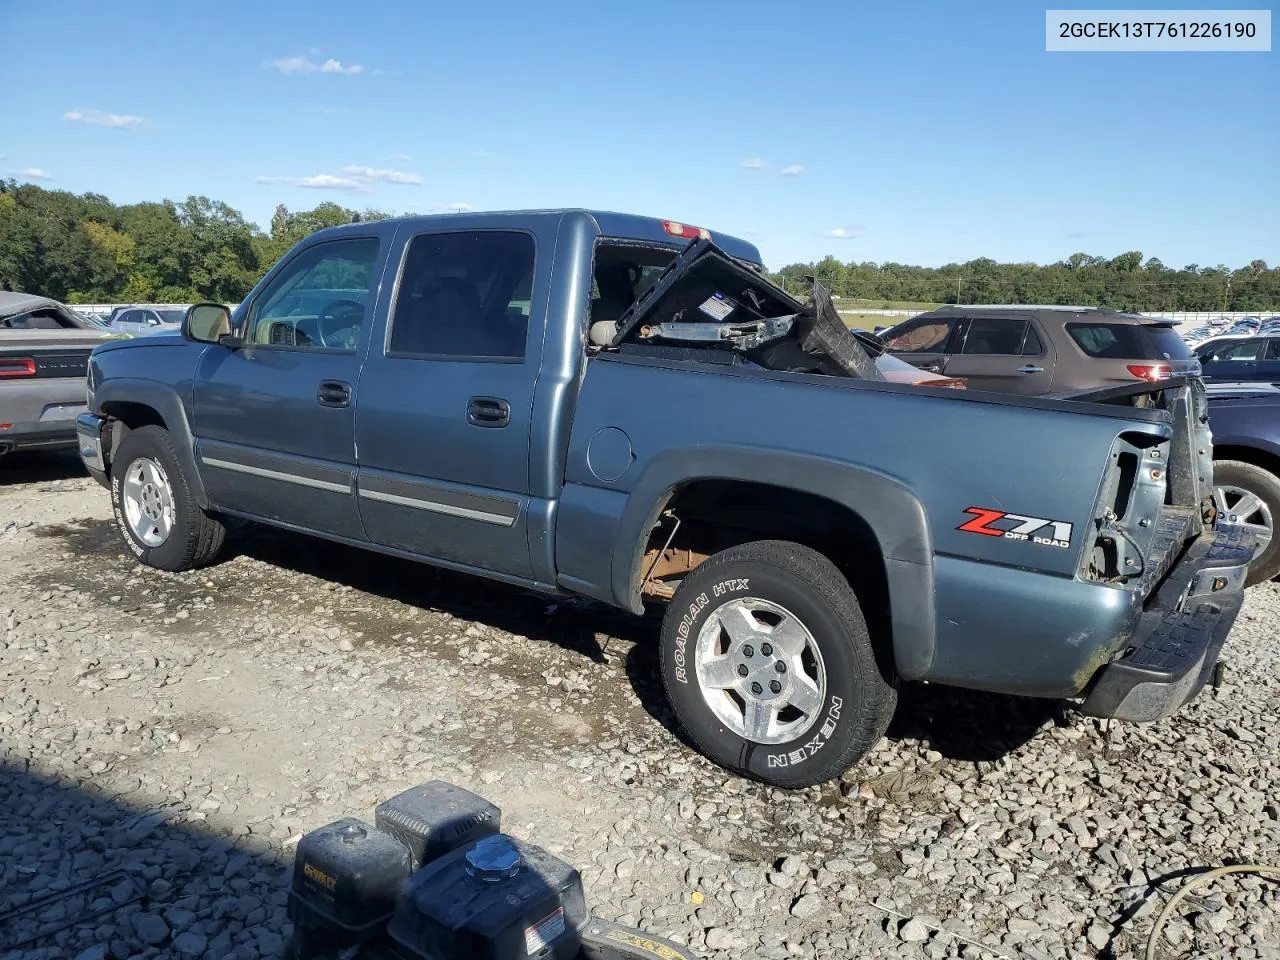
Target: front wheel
(155,510)
(1249,495)
(769,667)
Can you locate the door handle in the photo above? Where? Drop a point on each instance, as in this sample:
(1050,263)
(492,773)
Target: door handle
(1030,369)
(333,393)
(488,412)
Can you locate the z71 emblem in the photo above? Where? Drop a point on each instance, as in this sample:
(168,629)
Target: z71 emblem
(1014,526)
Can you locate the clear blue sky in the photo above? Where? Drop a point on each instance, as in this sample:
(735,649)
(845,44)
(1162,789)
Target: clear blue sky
(916,133)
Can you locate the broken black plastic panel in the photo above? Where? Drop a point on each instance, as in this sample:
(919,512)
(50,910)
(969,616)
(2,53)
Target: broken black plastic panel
(705,297)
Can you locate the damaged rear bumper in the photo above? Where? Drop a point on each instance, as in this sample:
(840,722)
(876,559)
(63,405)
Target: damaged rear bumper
(1180,634)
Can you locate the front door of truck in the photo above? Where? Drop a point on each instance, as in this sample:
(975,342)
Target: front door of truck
(444,424)
(275,415)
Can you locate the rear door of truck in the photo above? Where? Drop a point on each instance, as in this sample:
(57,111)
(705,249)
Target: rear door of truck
(446,394)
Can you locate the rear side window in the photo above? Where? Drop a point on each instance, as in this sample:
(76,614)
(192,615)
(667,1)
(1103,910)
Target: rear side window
(1003,336)
(464,295)
(1128,341)
(1273,349)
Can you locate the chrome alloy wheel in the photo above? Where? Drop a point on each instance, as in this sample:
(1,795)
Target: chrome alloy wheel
(1240,506)
(148,502)
(760,671)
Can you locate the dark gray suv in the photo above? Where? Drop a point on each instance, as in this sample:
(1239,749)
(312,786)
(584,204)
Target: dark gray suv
(1038,350)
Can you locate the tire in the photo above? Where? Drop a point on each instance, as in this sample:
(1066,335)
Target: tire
(1234,482)
(841,708)
(149,490)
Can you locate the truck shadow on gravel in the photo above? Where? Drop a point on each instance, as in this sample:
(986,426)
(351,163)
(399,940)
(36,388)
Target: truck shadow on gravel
(968,725)
(121,875)
(962,725)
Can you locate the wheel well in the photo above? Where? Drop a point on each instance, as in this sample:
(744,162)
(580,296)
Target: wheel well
(128,416)
(706,516)
(1259,458)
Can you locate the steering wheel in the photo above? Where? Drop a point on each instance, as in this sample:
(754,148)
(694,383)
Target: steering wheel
(338,324)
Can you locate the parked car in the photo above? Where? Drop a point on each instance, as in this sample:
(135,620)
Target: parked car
(1245,419)
(147,320)
(1251,358)
(709,442)
(44,355)
(1040,350)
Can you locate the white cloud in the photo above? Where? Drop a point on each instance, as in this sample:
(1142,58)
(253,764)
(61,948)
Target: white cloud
(296,66)
(401,157)
(327,181)
(754,163)
(353,178)
(844,233)
(461,207)
(483,155)
(335,66)
(370,175)
(35,173)
(314,51)
(792,171)
(119,121)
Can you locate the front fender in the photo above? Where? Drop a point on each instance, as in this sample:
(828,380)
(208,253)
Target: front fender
(118,394)
(894,514)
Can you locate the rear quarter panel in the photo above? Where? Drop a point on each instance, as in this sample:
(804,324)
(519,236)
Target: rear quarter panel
(1007,615)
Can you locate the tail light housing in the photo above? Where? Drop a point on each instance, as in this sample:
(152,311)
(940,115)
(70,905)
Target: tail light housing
(1151,372)
(12,368)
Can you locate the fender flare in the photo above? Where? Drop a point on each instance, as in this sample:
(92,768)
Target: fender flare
(889,508)
(166,402)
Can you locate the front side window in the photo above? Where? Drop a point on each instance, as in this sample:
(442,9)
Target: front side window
(925,336)
(1245,350)
(320,300)
(464,295)
(1273,349)
(995,336)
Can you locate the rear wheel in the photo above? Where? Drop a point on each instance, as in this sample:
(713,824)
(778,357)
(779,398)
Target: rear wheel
(1249,495)
(769,667)
(155,510)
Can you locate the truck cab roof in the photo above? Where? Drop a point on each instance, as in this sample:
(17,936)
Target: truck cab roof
(623,226)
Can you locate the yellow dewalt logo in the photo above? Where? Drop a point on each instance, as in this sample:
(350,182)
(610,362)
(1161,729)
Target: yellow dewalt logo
(319,876)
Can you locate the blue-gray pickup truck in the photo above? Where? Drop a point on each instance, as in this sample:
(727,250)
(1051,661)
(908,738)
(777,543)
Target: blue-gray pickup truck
(626,409)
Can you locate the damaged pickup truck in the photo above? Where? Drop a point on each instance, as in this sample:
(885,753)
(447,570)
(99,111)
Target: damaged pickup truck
(626,409)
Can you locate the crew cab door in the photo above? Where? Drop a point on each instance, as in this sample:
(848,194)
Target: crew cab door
(1004,354)
(275,415)
(444,423)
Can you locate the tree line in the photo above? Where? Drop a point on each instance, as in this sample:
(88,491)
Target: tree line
(82,248)
(1126,282)
(85,249)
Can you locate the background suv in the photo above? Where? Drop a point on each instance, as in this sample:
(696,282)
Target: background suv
(1038,350)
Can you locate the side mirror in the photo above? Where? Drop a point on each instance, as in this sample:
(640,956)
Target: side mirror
(206,323)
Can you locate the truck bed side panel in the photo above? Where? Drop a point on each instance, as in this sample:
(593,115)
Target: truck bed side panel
(909,463)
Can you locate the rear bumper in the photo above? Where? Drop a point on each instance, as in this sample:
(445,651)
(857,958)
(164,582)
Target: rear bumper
(41,435)
(1179,635)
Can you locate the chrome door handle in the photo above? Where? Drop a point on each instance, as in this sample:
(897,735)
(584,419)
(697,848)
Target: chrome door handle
(1030,369)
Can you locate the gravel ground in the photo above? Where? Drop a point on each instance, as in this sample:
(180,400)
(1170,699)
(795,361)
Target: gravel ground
(184,730)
